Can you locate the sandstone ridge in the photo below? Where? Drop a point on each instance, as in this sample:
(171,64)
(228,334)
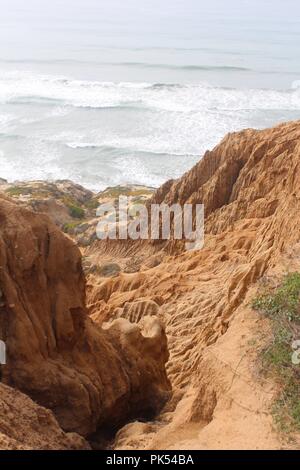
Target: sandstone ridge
(87,376)
(250,187)
(95,354)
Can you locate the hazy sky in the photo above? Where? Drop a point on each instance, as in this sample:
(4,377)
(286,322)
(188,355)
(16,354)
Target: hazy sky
(259,35)
(27,26)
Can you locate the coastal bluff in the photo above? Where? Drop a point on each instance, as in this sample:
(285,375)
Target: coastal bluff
(154,345)
(87,376)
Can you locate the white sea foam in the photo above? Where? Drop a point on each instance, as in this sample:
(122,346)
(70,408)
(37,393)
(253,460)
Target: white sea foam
(28,88)
(104,133)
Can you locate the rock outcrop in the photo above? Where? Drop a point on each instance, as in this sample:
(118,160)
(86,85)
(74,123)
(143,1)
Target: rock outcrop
(69,205)
(250,187)
(55,354)
(26,426)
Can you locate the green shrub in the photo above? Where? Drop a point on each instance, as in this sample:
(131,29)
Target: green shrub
(92,204)
(76,212)
(69,227)
(284,302)
(282,307)
(18,191)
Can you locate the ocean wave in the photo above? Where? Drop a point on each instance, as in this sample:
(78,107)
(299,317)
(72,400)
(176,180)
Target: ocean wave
(11,137)
(184,100)
(110,148)
(40,100)
(118,147)
(150,65)
(190,67)
(63,104)
(6,119)
(33,89)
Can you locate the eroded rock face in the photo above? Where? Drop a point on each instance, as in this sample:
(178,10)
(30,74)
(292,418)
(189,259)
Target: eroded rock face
(55,353)
(250,186)
(250,175)
(26,426)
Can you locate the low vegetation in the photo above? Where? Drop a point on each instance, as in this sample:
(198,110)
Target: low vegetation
(282,306)
(76,212)
(129,191)
(69,227)
(92,204)
(18,191)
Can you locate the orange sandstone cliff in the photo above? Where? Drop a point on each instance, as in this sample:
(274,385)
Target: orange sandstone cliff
(250,186)
(55,354)
(108,369)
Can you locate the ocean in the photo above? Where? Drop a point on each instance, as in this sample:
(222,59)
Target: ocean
(113,92)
